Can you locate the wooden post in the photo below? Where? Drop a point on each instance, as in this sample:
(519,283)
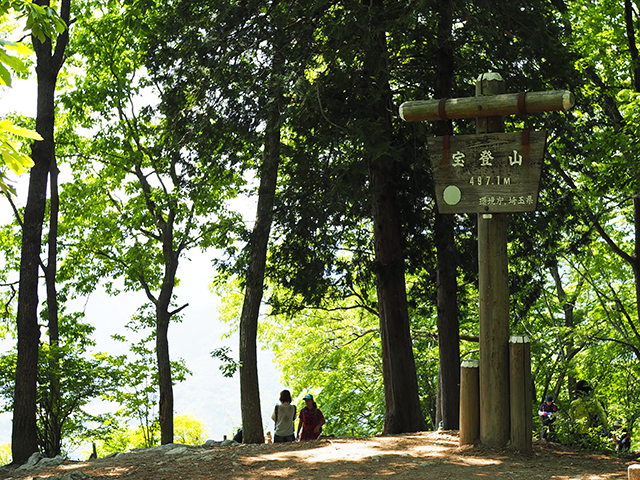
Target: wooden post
(496,105)
(467,181)
(469,403)
(520,397)
(493,281)
(634,472)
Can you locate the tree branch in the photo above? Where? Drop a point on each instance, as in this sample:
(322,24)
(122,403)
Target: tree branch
(178,310)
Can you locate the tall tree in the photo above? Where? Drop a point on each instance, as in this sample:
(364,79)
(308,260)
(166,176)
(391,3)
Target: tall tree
(50,57)
(156,185)
(252,431)
(253,55)
(403,413)
(448,324)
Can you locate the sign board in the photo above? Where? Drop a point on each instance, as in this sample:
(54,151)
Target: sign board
(487,173)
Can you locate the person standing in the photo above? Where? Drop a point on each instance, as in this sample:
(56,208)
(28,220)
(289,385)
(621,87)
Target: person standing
(621,437)
(587,411)
(548,411)
(284,416)
(311,420)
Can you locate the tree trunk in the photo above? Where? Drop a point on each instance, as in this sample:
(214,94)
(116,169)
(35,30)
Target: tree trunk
(24,437)
(635,263)
(252,430)
(163,317)
(52,436)
(403,413)
(448,325)
(164,375)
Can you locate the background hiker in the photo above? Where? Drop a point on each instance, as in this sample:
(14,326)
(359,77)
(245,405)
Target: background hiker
(621,437)
(547,412)
(587,411)
(311,420)
(284,416)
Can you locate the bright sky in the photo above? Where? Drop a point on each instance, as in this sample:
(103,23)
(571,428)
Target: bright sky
(207,395)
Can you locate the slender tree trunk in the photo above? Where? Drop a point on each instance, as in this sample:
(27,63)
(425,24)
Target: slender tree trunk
(52,438)
(249,392)
(403,413)
(24,437)
(164,375)
(163,317)
(448,325)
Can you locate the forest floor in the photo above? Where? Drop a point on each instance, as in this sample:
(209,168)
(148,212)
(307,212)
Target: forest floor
(425,455)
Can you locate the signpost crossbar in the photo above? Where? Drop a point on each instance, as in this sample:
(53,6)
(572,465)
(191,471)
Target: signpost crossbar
(486,106)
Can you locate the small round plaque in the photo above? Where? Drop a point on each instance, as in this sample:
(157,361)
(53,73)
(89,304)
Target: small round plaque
(451,195)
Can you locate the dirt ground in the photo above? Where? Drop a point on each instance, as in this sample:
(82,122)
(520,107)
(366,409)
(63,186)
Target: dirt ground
(426,455)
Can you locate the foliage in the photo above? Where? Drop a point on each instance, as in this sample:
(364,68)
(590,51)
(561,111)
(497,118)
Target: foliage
(42,21)
(117,439)
(591,439)
(189,430)
(332,351)
(138,381)
(137,181)
(165,114)
(81,380)
(5,453)
(229,366)
(120,438)
(12,135)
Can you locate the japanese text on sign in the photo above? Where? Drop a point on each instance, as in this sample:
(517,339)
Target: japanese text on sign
(487,173)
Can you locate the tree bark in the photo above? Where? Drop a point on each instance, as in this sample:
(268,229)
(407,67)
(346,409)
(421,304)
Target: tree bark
(163,317)
(448,324)
(403,413)
(252,430)
(24,437)
(52,436)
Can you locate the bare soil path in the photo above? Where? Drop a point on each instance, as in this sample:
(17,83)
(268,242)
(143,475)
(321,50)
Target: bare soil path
(425,455)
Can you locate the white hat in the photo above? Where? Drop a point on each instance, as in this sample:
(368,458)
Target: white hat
(616,423)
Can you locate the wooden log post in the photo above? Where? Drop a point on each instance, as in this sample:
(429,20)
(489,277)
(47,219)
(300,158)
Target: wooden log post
(634,472)
(469,403)
(493,106)
(493,282)
(520,398)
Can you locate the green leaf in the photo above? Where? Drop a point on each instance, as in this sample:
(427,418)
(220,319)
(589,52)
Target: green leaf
(8,126)
(5,76)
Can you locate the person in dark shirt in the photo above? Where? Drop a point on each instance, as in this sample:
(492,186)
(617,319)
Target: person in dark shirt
(547,412)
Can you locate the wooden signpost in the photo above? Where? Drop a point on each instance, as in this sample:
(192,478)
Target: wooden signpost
(498,172)
(491,173)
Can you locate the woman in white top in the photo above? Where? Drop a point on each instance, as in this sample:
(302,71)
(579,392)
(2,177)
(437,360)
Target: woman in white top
(284,415)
